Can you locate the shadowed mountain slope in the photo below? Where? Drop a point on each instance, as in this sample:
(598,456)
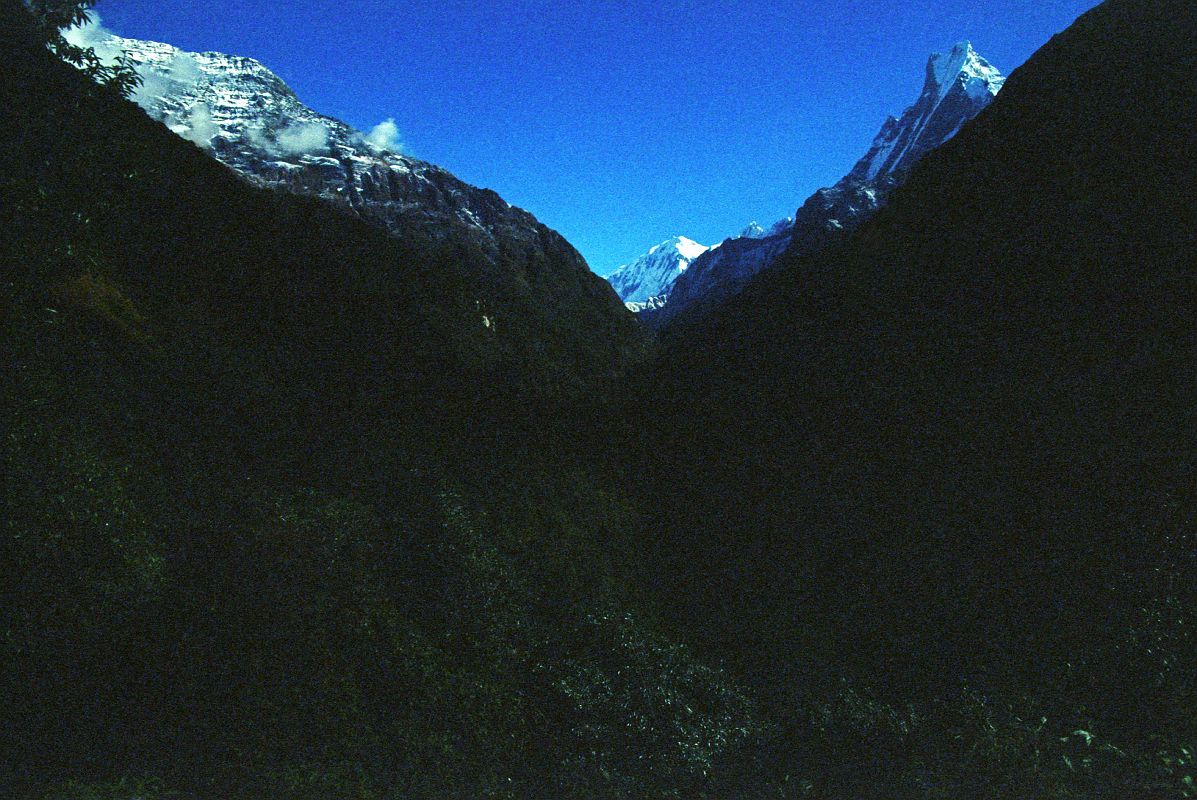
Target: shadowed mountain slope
(958,447)
(282,516)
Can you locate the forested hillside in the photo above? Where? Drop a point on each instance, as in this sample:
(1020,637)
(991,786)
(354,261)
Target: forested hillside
(282,516)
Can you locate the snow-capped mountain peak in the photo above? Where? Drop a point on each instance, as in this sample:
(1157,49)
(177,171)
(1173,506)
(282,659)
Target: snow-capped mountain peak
(754,230)
(962,64)
(688,249)
(650,278)
(958,84)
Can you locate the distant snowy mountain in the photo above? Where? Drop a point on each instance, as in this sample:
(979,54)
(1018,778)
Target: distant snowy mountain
(957,86)
(647,281)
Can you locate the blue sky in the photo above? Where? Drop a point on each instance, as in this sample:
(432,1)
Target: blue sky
(617,123)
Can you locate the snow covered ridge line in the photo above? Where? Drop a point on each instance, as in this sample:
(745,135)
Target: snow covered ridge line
(756,231)
(957,86)
(247,117)
(202,96)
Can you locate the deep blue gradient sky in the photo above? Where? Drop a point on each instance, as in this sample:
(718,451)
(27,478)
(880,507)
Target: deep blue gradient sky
(617,123)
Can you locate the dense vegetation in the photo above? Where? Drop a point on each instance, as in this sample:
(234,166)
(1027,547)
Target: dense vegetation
(281,518)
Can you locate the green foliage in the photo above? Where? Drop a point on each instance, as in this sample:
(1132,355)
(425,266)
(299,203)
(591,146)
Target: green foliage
(93,296)
(52,17)
(122,789)
(72,521)
(970,745)
(306,781)
(636,701)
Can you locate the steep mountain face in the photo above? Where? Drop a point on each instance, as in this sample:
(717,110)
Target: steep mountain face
(647,281)
(958,85)
(248,118)
(274,522)
(956,448)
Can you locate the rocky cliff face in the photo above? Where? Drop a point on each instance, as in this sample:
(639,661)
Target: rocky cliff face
(958,85)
